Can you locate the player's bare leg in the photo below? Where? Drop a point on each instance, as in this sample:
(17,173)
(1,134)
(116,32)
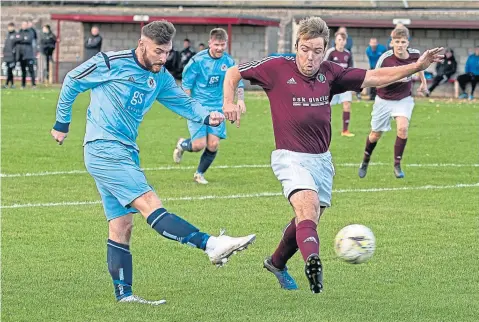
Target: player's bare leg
(346,119)
(307,209)
(371,142)
(402,124)
(173,227)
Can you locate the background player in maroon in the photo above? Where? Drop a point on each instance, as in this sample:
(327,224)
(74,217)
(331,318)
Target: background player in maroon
(393,100)
(343,57)
(299,91)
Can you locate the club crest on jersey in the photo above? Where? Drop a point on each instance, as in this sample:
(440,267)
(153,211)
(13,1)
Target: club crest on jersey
(346,58)
(224,67)
(151,82)
(321,78)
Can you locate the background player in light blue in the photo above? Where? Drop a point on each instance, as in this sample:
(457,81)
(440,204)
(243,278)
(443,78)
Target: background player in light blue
(124,85)
(203,80)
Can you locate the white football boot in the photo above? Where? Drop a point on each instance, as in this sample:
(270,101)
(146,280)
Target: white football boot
(200,178)
(137,299)
(220,248)
(178,152)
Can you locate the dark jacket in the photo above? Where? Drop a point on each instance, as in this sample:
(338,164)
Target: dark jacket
(448,67)
(92,46)
(173,63)
(48,43)
(185,57)
(9,46)
(24,47)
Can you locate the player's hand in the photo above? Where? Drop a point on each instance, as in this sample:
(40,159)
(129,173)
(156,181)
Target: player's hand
(430,56)
(242,106)
(423,89)
(216,118)
(232,113)
(59,136)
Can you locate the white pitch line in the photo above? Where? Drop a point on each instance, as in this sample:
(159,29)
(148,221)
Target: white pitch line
(242,196)
(240,166)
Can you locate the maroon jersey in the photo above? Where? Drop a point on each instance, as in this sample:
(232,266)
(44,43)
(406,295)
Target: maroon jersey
(299,104)
(403,87)
(342,58)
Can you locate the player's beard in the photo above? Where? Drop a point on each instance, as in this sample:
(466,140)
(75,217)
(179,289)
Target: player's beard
(154,68)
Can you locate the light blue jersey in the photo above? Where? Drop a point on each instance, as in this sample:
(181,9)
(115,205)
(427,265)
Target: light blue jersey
(122,91)
(204,76)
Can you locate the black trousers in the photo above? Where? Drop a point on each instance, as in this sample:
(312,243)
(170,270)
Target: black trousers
(467,78)
(10,68)
(48,60)
(27,64)
(438,80)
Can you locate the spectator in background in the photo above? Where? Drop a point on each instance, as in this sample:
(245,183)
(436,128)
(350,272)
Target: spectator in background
(374,51)
(25,54)
(173,63)
(48,42)
(9,58)
(471,75)
(444,70)
(201,47)
(35,37)
(185,54)
(93,43)
(349,41)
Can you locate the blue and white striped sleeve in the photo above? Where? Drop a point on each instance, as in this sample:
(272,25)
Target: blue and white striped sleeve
(176,100)
(88,75)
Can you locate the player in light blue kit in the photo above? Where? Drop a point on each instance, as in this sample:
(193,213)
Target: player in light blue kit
(124,85)
(203,80)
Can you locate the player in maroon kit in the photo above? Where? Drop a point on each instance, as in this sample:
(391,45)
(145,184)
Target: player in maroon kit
(343,57)
(393,100)
(299,90)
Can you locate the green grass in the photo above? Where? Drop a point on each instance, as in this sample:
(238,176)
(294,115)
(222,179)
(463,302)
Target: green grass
(425,267)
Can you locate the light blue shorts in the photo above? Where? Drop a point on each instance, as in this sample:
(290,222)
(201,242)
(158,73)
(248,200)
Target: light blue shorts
(118,177)
(200,130)
(304,171)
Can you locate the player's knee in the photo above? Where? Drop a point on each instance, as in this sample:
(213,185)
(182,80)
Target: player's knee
(213,145)
(402,132)
(306,205)
(375,136)
(121,231)
(347,106)
(198,145)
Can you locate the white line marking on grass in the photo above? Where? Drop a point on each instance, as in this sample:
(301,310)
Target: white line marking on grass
(240,166)
(242,196)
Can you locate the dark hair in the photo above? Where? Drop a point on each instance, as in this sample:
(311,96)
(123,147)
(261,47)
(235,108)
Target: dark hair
(201,44)
(186,39)
(160,31)
(48,27)
(218,34)
(11,24)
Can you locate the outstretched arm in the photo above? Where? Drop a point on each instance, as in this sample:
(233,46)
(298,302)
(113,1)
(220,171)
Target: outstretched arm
(88,75)
(387,75)
(176,100)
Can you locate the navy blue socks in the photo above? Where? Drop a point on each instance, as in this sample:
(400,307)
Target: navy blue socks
(120,266)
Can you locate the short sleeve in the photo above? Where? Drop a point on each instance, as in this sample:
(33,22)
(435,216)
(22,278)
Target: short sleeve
(261,72)
(346,79)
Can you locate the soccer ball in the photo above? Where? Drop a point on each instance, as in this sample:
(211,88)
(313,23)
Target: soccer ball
(355,244)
